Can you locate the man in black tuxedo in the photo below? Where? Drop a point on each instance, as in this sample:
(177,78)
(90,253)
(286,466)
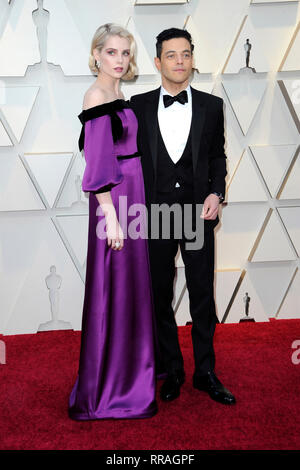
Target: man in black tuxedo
(181,140)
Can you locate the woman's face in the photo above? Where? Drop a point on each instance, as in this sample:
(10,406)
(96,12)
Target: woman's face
(114,57)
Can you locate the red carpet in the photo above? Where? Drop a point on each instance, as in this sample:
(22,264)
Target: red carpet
(253,361)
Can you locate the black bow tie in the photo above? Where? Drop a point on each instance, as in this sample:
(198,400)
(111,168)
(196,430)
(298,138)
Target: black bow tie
(182,98)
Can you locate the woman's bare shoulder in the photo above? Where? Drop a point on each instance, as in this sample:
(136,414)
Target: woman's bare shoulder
(93,97)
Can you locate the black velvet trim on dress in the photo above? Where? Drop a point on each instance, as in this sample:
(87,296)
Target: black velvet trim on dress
(111,109)
(104,189)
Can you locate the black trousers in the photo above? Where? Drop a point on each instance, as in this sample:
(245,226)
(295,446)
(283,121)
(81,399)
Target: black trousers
(199,273)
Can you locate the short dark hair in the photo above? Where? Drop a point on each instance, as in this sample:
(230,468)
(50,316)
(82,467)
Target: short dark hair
(170,34)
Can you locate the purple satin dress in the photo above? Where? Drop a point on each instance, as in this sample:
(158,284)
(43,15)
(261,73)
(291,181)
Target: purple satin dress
(116,375)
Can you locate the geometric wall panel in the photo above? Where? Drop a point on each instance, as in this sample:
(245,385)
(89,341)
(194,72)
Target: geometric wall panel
(273,162)
(59,104)
(181,303)
(75,234)
(30,304)
(291,59)
(19,42)
(291,91)
(4,137)
(291,189)
(273,244)
(72,194)
(256,309)
(237,57)
(233,150)
(204,57)
(62,29)
(48,170)
(144,62)
(17,191)
(271,282)
(239,227)
(18,105)
(291,219)
(225,283)
(245,94)
(274,123)
(290,307)
(245,184)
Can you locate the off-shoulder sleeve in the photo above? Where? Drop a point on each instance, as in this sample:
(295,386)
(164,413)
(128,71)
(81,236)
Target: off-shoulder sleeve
(102,171)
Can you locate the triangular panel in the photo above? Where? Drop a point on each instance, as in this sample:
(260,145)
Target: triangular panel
(290,307)
(270,281)
(33,304)
(237,58)
(245,94)
(291,189)
(74,231)
(273,162)
(291,220)
(62,30)
(4,137)
(144,63)
(290,89)
(239,228)
(181,302)
(204,57)
(238,308)
(225,282)
(274,244)
(19,42)
(291,59)
(72,194)
(245,184)
(17,107)
(17,191)
(48,170)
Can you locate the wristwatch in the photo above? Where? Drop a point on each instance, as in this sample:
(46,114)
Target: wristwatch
(220,196)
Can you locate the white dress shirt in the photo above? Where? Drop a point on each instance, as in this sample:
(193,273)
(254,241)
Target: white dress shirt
(174,123)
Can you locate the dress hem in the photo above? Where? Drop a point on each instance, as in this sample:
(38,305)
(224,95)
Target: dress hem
(116,414)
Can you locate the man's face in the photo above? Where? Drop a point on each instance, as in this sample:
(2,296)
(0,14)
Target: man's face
(176,62)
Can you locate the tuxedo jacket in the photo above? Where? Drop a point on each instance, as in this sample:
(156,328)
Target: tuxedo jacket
(207,140)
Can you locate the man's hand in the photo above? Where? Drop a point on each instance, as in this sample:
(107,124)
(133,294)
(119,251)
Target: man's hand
(210,207)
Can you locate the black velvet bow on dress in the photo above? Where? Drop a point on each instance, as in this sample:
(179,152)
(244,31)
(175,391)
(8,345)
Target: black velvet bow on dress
(111,109)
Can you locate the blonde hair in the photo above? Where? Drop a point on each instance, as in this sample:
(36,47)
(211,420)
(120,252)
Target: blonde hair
(98,41)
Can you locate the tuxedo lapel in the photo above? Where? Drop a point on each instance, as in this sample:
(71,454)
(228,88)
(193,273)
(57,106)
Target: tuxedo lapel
(198,118)
(152,124)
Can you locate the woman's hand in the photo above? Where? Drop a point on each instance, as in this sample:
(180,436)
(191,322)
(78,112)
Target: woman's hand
(114,232)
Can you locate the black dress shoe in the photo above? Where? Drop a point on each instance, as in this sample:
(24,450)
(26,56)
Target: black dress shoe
(171,387)
(211,384)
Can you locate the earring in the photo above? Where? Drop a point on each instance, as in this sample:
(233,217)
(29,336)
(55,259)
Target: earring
(97,64)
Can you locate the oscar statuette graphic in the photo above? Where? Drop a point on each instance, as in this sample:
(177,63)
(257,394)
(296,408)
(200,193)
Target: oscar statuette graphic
(79,203)
(53,283)
(246,300)
(247,70)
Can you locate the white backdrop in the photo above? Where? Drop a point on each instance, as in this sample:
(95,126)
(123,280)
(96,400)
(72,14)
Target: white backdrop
(44,48)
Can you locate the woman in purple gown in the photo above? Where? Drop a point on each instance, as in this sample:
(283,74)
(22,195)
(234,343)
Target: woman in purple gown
(116,375)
